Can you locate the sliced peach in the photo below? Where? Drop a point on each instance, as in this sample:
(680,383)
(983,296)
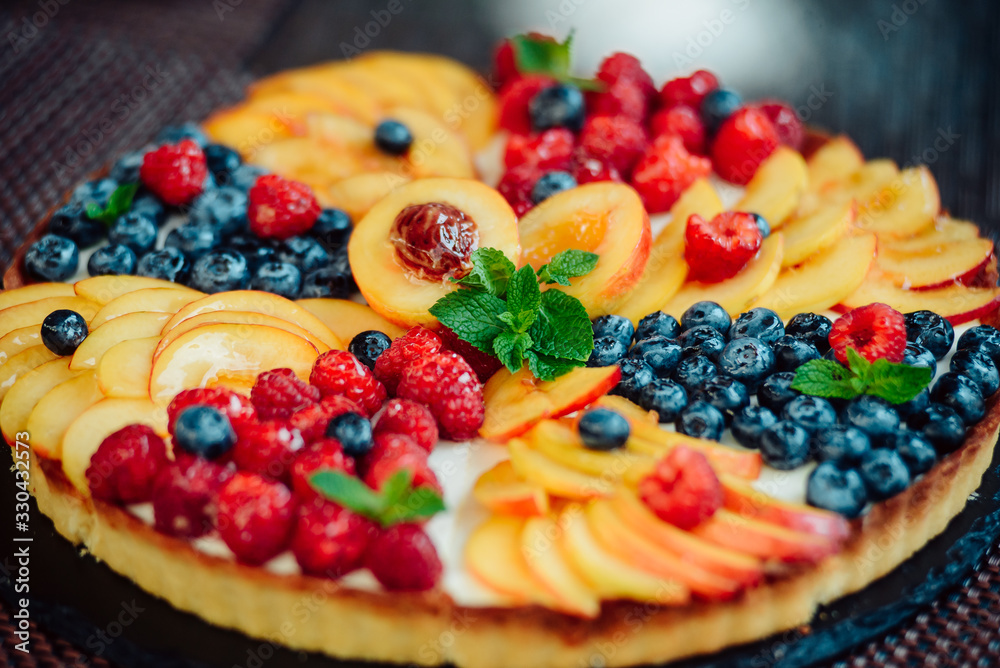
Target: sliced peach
(956,302)
(388,89)
(823,280)
(21,363)
(346,319)
(936,265)
(559,442)
(650,439)
(19,339)
(908,204)
(292,107)
(629,410)
(438,97)
(246,129)
(493,556)
(27,391)
(504,492)
(863,185)
(55,411)
(391,287)
(160,300)
(776,187)
(604,218)
(307,160)
(436,149)
(764,540)
(34,312)
(547,561)
(34,292)
(833,161)
(746,501)
(554,478)
(123,328)
(246,318)
(102,289)
(316,80)
(807,235)
(516,401)
(358,194)
(123,370)
(944,230)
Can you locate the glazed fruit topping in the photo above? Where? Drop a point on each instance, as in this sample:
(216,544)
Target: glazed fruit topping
(683,488)
(126,464)
(434,241)
(280,208)
(718,248)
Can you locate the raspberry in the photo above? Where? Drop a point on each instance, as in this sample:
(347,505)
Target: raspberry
(625,66)
(402,416)
(743,142)
(403,558)
(665,171)
(312,420)
(416,343)
(516,184)
(280,208)
(514,100)
(446,384)
(791,131)
(278,393)
(185,496)
(588,169)
(683,488)
(683,121)
(126,464)
(688,90)
(615,140)
(176,173)
(483,364)
(394,452)
(551,149)
(717,249)
(323,454)
(256,517)
(628,92)
(330,541)
(236,407)
(267,448)
(875,331)
(338,372)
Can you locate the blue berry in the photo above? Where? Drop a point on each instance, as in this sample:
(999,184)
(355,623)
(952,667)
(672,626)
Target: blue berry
(931,331)
(762,225)
(978,368)
(98,191)
(692,372)
(220,271)
(607,351)
(837,490)
(112,259)
(811,328)
(558,106)
(776,391)
(334,280)
(916,451)
(550,184)
(884,473)
(660,353)
(257,251)
(393,137)
(727,394)
(332,229)
(701,420)
(784,445)
(790,353)
(960,393)
(224,208)
(368,345)
(759,323)
(747,360)
(702,340)
(941,425)
(916,355)
(706,313)
(173,134)
(614,326)
(354,432)
(811,413)
(914,405)
(636,374)
(749,423)
(168,264)
(305,253)
(984,339)
(840,443)
(72,222)
(147,204)
(719,105)
(194,239)
(872,415)
(134,230)
(63,330)
(126,168)
(244,176)
(602,429)
(222,161)
(52,258)
(281,278)
(665,397)
(204,431)
(657,323)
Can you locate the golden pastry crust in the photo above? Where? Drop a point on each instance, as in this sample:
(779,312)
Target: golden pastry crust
(315,614)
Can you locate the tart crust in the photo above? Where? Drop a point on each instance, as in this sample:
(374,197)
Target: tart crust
(315,614)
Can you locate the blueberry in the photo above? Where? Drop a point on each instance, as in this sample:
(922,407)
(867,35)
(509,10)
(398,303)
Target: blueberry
(173,134)
(706,313)
(244,176)
(931,331)
(98,191)
(147,204)
(558,106)
(353,431)
(306,253)
(72,222)
(660,353)
(701,420)
(759,323)
(63,330)
(224,208)
(607,351)
(979,368)
(941,425)
(220,271)
(636,374)
(332,229)
(601,429)
(112,259)
(748,424)
(657,323)
(960,393)
(550,184)
(914,405)
(748,360)
(257,251)
(811,328)
(281,278)
(702,340)
(692,372)
(135,230)
(872,415)
(784,445)
(790,353)
(776,391)
(393,137)
(811,413)
(719,105)
(222,162)
(837,490)
(916,451)
(368,345)
(168,264)
(727,394)
(334,280)
(916,355)
(840,443)
(884,473)
(52,258)
(665,397)
(983,339)
(614,326)
(194,239)
(204,431)
(126,168)
(762,225)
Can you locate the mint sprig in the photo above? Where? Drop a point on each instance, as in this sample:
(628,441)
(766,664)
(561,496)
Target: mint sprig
(119,203)
(896,383)
(536,55)
(396,502)
(503,312)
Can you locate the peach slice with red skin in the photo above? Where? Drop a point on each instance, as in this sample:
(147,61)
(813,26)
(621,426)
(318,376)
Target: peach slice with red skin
(545,556)
(559,441)
(904,206)
(502,491)
(763,539)
(745,501)
(247,318)
(160,300)
(943,231)
(958,303)
(555,478)
(807,235)
(935,265)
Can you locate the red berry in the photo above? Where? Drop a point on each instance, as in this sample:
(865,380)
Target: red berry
(323,454)
(185,496)
(483,364)
(278,393)
(504,64)
(615,140)
(126,464)
(267,448)
(402,416)
(280,208)
(446,384)
(393,453)
(619,66)
(717,249)
(403,558)
(176,173)
(312,420)
(416,343)
(665,170)
(683,488)
(330,541)
(744,140)
(256,517)
(338,372)
(516,184)
(688,90)
(551,149)
(236,407)
(588,169)
(628,91)
(876,331)
(515,98)
(791,131)
(683,121)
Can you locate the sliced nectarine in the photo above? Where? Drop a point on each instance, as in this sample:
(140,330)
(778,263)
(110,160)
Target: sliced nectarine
(833,161)
(863,185)
(161,300)
(19,364)
(27,391)
(547,561)
(776,187)
(55,411)
(956,302)
(247,318)
(764,540)
(123,328)
(944,230)
(316,80)
(650,439)
(504,492)
(559,442)
(358,194)
(246,129)
(904,206)
(19,339)
(809,234)
(123,370)
(556,479)
(436,149)
(493,556)
(34,312)
(102,289)
(34,292)
(746,501)
(346,319)
(315,163)
(936,265)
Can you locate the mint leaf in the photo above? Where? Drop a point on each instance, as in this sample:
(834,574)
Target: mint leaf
(415,504)
(472,315)
(348,491)
(397,501)
(546,56)
(510,348)
(546,367)
(566,265)
(491,270)
(523,298)
(858,364)
(119,203)
(826,378)
(897,383)
(562,328)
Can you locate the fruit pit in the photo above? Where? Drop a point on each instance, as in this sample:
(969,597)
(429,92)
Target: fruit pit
(434,241)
